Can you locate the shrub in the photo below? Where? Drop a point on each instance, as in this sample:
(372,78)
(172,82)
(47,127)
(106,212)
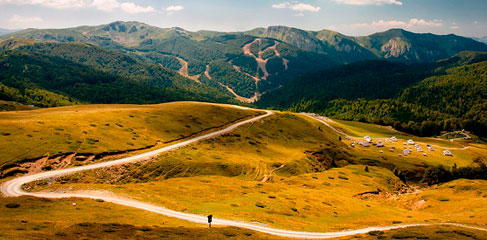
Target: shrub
(260,205)
(12,205)
(343,177)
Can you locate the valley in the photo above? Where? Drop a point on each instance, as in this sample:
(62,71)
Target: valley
(127,130)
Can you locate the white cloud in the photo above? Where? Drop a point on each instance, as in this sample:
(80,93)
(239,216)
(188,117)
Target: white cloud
(174,8)
(413,22)
(454,27)
(295,6)
(132,8)
(58,4)
(16,19)
(369,2)
(299,14)
(103,5)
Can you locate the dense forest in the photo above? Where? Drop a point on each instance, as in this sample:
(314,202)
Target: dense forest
(421,99)
(47,81)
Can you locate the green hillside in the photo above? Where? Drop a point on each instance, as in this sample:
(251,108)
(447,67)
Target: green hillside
(241,65)
(192,53)
(421,99)
(404,46)
(139,78)
(333,44)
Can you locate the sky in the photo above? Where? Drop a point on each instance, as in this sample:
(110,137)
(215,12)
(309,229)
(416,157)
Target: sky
(350,17)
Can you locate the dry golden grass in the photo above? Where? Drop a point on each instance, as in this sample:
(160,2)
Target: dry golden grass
(222,176)
(93,129)
(90,219)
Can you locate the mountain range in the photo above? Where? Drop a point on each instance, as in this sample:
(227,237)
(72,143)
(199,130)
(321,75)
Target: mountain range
(247,64)
(274,67)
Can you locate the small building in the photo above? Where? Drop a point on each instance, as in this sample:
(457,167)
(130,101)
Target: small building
(381,151)
(367,138)
(410,142)
(391,150)
(380,144)
(424,154)
(394,139)
(430,148)
(406,152)
(447,153)
(388,140)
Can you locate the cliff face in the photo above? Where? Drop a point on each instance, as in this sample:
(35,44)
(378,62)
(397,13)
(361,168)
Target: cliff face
(395,48)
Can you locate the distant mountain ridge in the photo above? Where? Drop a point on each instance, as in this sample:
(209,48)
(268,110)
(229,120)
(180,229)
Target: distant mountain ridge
(6,31)
(394,44)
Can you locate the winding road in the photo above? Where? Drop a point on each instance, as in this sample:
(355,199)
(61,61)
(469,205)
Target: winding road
(13,188)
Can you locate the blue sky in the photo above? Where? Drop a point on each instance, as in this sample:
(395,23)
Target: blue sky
(351,17)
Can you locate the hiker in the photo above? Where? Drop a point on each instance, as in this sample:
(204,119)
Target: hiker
(210,219)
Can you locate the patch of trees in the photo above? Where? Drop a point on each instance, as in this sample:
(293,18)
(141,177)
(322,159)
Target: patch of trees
(439,174)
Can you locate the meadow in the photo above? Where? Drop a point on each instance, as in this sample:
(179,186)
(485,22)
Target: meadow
(286,171)
(91,130)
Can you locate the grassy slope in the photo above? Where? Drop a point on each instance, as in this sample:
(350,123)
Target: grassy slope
(311,202)
(222,177)
(429,232)
(13,106)
(105,128)
(463,153)
(54,219)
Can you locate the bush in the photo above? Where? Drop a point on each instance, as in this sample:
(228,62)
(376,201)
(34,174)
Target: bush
(12,205)
(260,205)
(343,177)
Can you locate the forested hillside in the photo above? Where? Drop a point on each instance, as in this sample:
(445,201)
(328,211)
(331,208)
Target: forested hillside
(244,65)
(422,99)
(218,60)
(54,74)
